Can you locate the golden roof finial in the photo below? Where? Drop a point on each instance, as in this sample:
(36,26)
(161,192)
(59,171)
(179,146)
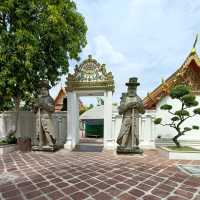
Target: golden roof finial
(194,45)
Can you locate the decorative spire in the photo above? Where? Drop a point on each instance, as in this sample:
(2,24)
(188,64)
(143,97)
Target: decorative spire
(162,80)
(194,45)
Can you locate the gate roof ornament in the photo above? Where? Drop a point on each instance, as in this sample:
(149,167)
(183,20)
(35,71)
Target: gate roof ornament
(90,75)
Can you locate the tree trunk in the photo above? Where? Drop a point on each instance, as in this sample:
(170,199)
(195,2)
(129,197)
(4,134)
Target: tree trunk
(175,139)
(23,144)
(17,106)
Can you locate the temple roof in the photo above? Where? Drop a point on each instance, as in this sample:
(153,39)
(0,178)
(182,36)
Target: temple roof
(188,73)
(62,92)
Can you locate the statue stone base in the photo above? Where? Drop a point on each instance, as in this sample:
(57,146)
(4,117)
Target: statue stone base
(133,150)
(45,148)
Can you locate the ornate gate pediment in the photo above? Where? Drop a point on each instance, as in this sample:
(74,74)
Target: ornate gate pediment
(90,75)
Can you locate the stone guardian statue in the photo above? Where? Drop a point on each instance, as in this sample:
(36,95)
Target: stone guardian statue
(131,106)
(44,107)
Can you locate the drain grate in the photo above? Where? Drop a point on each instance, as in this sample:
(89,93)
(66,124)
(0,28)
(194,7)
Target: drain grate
(193,170)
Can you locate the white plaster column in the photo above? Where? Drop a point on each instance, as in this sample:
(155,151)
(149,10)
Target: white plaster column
(147,131)
(2,126)
(118,122)
(77,120)
(108,134)
(71,139)
(142,128)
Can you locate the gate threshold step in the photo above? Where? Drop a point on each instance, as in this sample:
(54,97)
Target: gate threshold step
(88,148)
(89,144)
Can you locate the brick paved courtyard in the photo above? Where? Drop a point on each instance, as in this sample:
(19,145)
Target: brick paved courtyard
(100,176)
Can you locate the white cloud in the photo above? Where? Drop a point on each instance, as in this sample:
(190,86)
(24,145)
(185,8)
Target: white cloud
(148,39)
(105,51)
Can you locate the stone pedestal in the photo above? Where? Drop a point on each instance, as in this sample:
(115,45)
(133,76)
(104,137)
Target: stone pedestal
(133,150)
(24,144)
(45,148)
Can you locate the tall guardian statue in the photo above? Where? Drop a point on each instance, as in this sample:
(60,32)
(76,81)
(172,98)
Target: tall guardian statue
(130,107)
(44,107)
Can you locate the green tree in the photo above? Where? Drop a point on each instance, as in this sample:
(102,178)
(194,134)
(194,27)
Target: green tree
(187,100)
(90,106)
(83,109)
(37,39)
(62,35)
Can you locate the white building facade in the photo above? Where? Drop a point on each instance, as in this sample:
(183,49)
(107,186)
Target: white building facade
(188,74)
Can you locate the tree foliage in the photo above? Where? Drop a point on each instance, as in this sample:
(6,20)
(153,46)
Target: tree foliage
(84,108)
(166,107)
(37,39)
(157,120)
(179,91)
(187,100)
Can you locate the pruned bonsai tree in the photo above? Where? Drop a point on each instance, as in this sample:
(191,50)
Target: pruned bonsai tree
(187,100)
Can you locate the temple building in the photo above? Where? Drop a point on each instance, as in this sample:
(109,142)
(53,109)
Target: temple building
(60,99)
(188,74)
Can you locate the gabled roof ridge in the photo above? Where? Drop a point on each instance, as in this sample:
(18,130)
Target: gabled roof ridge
(61,89)
(162,87)
(188,59)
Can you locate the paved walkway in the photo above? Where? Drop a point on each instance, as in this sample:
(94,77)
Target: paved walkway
(100,176)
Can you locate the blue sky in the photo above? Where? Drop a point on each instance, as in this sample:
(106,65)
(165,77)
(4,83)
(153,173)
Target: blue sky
(149,39)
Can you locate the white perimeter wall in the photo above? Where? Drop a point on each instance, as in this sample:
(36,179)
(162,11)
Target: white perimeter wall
(146,129)
(148,132)
(27,127)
